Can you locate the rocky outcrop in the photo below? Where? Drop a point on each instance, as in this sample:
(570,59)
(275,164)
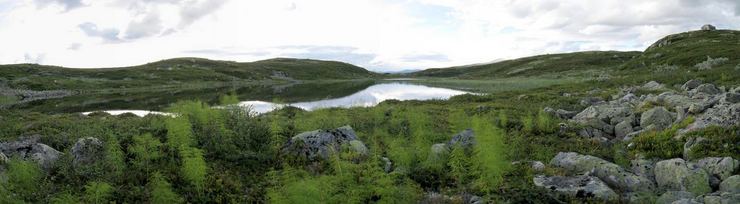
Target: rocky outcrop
(30,148)
(319,144)
(678,175)
(577,187)
(612,174)
(87,151)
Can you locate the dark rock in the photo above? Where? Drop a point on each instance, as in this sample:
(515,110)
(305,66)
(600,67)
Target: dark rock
(708,27)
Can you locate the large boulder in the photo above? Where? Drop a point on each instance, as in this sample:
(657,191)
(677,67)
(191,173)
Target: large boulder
(612,174)
(708,27)
(721,167)
(319,144)
(731,184)
(673,196)
(87,151)
(678,175)
(731,98)
(577,187)
(708,89)
(658,116)
(691,84)
(643,167)
(722,198)
(622,129)
(30,148)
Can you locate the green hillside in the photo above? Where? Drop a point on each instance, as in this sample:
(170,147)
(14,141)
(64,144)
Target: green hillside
(688,49)
(551,64)
(174,72)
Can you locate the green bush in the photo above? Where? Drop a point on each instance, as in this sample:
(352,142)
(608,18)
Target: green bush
(98,192)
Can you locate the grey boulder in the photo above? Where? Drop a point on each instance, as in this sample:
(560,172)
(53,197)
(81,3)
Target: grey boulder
(721,167)
(612,174)
(577,187)
(731,184)
(672,196)
(87,151)
(30,148)
(691,84)
(319,144)
(465,139)
(658,116)
(678,175)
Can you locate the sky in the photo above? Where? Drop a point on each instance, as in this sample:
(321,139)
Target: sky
(380,35)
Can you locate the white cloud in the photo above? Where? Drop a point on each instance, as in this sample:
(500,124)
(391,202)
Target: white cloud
(378,34)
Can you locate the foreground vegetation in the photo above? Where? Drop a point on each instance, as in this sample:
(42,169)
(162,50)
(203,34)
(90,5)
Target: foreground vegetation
(227,155)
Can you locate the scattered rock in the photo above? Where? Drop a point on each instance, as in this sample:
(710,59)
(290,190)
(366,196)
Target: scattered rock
(612,174)
(590,101)
(387,164)
(709,89)
(691,84)
(722,167)
(731,184)
(658,116)
(465,139)
(672,196)
(708,27)
(578,187)
(653,86)
(622,129)
(731,98)
(538,166)
(319,144)
(643,167)
(87,151)
(30,148)
(560,113)
(676,174)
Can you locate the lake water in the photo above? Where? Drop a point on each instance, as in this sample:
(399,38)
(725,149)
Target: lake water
(370,96)
(360,96)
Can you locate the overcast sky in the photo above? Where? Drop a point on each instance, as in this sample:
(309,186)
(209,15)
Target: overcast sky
(380,35)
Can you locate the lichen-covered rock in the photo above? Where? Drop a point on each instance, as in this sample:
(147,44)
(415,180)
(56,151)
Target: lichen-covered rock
(722,198)
(577,187)
(652,86)
(678,175)
(30,148)
(691,84)
(672,196)
(731,98)
(612,174)
(731,184)
(538,166)
(622,129)
(658,116)
(87,151)
(643,167)
(722,167)
(319,144)
(709,89)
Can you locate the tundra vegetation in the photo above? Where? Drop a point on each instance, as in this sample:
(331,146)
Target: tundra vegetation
(611,119)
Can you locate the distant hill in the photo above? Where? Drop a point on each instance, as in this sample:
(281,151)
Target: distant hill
(686,50)
(176,71)
(536,66)
(694,50)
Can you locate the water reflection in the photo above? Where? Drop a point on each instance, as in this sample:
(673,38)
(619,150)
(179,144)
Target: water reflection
(368,97)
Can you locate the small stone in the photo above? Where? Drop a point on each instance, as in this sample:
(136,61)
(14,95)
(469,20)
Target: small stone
(538,166)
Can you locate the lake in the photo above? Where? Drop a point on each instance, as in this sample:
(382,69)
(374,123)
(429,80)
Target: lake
(261,98)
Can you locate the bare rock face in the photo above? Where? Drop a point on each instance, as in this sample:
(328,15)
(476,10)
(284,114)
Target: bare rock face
(319,144)
(30,148)
(87,151)
(577,187)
